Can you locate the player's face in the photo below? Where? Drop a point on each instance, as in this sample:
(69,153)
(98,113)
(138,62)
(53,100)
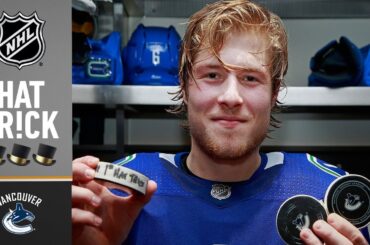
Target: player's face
(229,109)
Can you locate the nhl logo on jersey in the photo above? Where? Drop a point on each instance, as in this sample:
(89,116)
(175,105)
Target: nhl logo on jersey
(21,39)
(220,191)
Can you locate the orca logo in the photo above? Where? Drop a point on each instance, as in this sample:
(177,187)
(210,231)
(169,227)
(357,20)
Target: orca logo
(12,219)
(21,39)
(301,221)
(352,202)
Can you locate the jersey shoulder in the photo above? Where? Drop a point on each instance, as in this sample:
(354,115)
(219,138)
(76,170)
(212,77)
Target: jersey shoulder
(300,173)
(307,164)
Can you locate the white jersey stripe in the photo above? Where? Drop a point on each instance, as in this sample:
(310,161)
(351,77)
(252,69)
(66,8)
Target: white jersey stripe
(274,158)
(168,157)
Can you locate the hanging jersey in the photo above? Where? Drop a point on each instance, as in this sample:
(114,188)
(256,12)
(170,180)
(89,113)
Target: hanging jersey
(189,210)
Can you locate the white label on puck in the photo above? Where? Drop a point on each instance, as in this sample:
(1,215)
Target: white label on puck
(122,176)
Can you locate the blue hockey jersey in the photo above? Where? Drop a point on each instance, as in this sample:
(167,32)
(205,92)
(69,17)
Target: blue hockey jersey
(190,210)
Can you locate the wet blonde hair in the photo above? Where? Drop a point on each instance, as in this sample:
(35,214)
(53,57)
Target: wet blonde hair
(208,29)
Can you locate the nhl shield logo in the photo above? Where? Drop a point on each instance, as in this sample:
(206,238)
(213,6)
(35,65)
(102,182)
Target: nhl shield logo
(220,191)
(21,39)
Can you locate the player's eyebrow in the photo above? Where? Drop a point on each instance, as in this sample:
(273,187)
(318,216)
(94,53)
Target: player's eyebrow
(254,69)
(217,65)
(208,66)
(211,62)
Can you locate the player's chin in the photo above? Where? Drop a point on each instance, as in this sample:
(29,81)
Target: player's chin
(230,149)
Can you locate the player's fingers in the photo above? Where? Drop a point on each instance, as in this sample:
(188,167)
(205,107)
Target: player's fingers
(82,173)
(90,161)
(328,234)
(84,217)
(309,238)
(346,229)
(82,195)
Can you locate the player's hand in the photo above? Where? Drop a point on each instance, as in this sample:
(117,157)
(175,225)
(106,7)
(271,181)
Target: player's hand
(336,230)
(98,216)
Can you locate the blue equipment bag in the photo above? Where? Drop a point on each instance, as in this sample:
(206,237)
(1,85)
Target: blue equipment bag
(151,56)
(104,63)
(337,64)
(366,74)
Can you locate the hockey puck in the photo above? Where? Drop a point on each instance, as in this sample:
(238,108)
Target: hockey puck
(349,196)
(122,176)
(296,213)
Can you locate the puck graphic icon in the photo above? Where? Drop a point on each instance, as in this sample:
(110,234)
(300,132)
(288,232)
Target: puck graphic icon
(349,196)
(296,213)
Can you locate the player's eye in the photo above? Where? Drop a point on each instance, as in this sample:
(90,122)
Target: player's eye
(249,78)
(212,75)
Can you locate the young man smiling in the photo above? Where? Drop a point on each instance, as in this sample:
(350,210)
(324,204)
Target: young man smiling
(224,191)
(229,101)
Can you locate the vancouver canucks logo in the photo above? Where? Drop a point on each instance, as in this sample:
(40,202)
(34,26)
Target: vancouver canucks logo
(18,221)
(352,202)
(21,39)
(301,221)
(220,191)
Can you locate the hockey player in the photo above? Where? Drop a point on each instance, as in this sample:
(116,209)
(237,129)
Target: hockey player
(224,191)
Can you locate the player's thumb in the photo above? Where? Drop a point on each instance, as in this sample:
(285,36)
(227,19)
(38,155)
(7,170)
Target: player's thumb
(150,190)
(140,200)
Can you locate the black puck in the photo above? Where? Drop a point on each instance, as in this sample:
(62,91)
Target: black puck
(296,213)
(349,196)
